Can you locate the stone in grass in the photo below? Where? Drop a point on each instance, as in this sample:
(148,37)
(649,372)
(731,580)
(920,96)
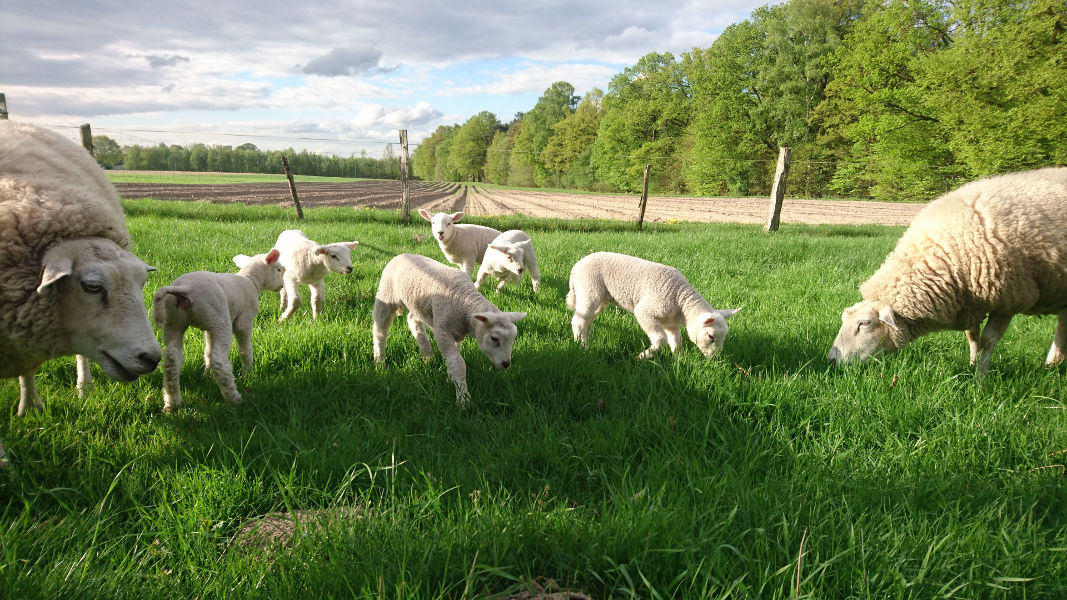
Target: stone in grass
(278,529)
(543,588)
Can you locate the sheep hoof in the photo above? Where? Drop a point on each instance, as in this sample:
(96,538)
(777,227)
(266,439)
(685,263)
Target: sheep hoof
(235,400)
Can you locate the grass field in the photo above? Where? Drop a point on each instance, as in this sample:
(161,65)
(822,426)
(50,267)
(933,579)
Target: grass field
(761,473)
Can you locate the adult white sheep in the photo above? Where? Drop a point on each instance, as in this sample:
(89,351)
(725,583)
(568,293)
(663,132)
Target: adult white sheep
(507,257)
(447,301)
(307,263)
(68,284)
(659,296)
(223,305)
(993,248)
(462,244)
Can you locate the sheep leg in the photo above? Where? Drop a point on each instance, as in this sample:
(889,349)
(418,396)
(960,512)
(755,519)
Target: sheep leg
(292,294)
(652,329)
(28,396)
(457,369)
(221,367)
(85,375)
(468,268)
(242,330)
(674,337)
(172,368)
(535,273)
(582,321)
(318,296)
(4,463)
(994,329)
(1058,351)
(209,344)
(483,274)
(418,331)
(972,341)
(383,315)
(284,300)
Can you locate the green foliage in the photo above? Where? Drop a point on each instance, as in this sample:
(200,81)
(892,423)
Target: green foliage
(527,165)
(246,158)
(107,151)
(498,156)
(567,153)
(467,152)
(760,473)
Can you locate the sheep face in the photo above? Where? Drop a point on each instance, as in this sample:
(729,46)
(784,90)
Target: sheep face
(866,330)
(495,334)
(337,257)
(441,224)
(97,290)
(268,270)
(709,330)
(513,256)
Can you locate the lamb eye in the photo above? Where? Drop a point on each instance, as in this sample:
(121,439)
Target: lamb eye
(92,287)
(865,323)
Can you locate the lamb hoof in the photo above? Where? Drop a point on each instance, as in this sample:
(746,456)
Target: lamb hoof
(235,400)
(169,408)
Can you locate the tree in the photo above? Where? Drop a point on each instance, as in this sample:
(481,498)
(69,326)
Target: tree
(467,153)
(107,151)
(498,156)
(568,151)
(555,103)
(424,159)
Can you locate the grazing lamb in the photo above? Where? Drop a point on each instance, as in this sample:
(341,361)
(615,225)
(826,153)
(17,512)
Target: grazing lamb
(659,296)
(508,255)
(993,248)
(223,305)
(307,263)
(463,245)
(447,301)
(68,283)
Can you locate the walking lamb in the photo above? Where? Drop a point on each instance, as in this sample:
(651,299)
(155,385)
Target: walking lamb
(659,296)
(447,301)
(462,244)
(507,257)
(992,248)
(307,263)
(223,305)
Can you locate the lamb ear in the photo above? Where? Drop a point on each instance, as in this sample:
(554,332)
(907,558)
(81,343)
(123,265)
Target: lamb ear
(457,216)
(729,312)
(887,316)
(352,244)
(425,214)
(484,318)
(515,317)
(241,260)
(499,248)
(55,269)
(272,256)
(321,250)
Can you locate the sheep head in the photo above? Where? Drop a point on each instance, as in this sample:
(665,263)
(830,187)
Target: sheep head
(708,331)
(495,333)
(868,329)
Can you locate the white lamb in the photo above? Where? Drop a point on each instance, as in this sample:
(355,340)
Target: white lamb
(507,257)
(659,296)
(307,263)
(68,283)
(993,248)
(464,244)
(447,301)
(223,305)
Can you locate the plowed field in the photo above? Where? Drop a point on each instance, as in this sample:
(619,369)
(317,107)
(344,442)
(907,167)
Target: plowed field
(478,200)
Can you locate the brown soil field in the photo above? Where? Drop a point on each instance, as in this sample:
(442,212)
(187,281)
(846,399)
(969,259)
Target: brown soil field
(478,200)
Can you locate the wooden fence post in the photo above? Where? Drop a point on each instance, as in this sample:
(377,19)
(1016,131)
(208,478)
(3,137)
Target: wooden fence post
(405,202)
(3,106)
(292,187)
(644,198)
(87,137)
(778,189)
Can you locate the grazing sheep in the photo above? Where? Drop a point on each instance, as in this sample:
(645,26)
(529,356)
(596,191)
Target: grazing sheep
(659,296)
(463,245)
(223,305)
(68,284)
(307,263)
(447,301)
(993,248)
(508,255)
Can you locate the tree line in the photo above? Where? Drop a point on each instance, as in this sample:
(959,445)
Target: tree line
(883,99)
(246,158)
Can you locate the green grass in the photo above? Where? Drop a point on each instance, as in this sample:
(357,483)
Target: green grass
(214,178)
(676,477)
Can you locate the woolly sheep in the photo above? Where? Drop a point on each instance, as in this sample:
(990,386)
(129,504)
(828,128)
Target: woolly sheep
(659,296)
(307,263)
(68,283)
(223,305)
(447,301)
(508,255)
(993,248)
(464,244)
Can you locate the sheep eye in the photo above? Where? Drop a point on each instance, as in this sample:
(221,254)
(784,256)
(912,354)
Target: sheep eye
(865,323)
(92,287)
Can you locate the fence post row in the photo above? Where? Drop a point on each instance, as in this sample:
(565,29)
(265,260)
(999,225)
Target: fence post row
(778,190)
(3,106)
(292,187)
(87,137)
(405,203)
(644,198)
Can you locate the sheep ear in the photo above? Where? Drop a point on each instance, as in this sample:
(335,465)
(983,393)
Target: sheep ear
(321,250)
(149,268)
(887,316)
(482,317)
(352,244)
(55,269)
(241,260)
(729,312)
(499,248)
(457,216)
(426,214)
(272,256)
(515,317)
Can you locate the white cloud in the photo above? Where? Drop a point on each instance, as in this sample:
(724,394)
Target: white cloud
(536,79)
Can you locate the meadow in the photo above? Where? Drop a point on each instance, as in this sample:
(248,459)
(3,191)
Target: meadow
(760,473)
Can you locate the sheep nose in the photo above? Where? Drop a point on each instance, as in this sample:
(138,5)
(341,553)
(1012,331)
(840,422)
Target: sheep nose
(521,270)
(348,269)
(505,364)
(149,359)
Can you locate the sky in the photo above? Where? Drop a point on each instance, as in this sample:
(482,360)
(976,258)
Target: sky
(332,76)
